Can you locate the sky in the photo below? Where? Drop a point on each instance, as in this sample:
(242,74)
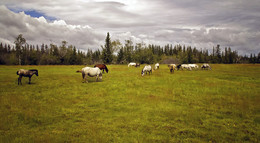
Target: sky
(85,23)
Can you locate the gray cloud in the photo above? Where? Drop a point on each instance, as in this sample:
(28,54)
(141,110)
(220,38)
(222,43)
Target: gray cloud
(201,23)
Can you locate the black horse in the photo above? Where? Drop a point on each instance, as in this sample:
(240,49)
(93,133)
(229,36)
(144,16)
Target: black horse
(179,66)
(26,73)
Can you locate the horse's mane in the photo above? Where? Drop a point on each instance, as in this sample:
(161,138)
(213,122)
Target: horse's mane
(106,68)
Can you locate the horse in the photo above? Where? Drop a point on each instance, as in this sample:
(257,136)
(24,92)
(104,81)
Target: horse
(172,67)
(91,72)
(186,66)
(102,67)
(132,64)
(194,66)
(156,66)
(179,67)
(205,66)
(146,69)
(26,73)
(137,65)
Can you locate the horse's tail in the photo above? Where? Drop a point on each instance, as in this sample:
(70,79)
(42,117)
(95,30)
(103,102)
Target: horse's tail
(79,71)
(17,72)
(106,68)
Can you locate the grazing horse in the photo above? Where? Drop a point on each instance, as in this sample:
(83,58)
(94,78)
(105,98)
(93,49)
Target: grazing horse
(205,66)
(132,64)
(186,66)
(146,69)
(92,72)
(26,73)
(194,66)
(179,66)
(156,66)
(102,67)
(172,67)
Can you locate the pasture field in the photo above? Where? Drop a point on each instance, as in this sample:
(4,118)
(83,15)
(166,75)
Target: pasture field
(219,105)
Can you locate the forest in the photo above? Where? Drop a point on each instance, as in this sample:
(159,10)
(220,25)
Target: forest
(114,52)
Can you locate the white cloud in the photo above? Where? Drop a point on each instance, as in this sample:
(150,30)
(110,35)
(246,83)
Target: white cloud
(38,31)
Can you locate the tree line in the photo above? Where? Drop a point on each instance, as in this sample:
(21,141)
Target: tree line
(114,52)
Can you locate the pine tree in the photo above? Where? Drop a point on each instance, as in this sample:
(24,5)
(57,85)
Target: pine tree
(107,56)
(120,56)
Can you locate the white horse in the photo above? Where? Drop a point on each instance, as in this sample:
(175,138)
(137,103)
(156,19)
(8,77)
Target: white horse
(132,64)
(156,66)
(194,66)
(92,72)
(146,69)
(185,66)
(205,66)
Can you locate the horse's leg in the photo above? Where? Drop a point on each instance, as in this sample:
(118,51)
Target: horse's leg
(86,79)
(18,80)
(83,77)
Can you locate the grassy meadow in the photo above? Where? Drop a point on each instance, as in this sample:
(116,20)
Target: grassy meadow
(219,105)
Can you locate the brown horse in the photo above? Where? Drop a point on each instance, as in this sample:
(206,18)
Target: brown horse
(102,67)
(172,67)
(26,73)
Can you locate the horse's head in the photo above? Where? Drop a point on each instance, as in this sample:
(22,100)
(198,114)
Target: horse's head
(34,71)
(142,72)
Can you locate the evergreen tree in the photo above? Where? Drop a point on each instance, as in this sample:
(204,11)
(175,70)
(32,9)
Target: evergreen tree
(218,54)
(120,56)
(107,56)
(73,57)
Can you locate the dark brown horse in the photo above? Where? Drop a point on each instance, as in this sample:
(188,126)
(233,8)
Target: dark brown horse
(102,67)
(26,73)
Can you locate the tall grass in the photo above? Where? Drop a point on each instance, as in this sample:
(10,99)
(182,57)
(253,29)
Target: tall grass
(219,105)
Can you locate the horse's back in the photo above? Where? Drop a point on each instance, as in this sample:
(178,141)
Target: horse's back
(100,65)
(132,64)
(148,68)
(22,72)
(91,71)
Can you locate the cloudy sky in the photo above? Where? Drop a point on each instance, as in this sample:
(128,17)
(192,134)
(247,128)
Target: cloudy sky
(84,23)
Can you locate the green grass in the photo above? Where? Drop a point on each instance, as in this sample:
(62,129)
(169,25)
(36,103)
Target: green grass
(219,105)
